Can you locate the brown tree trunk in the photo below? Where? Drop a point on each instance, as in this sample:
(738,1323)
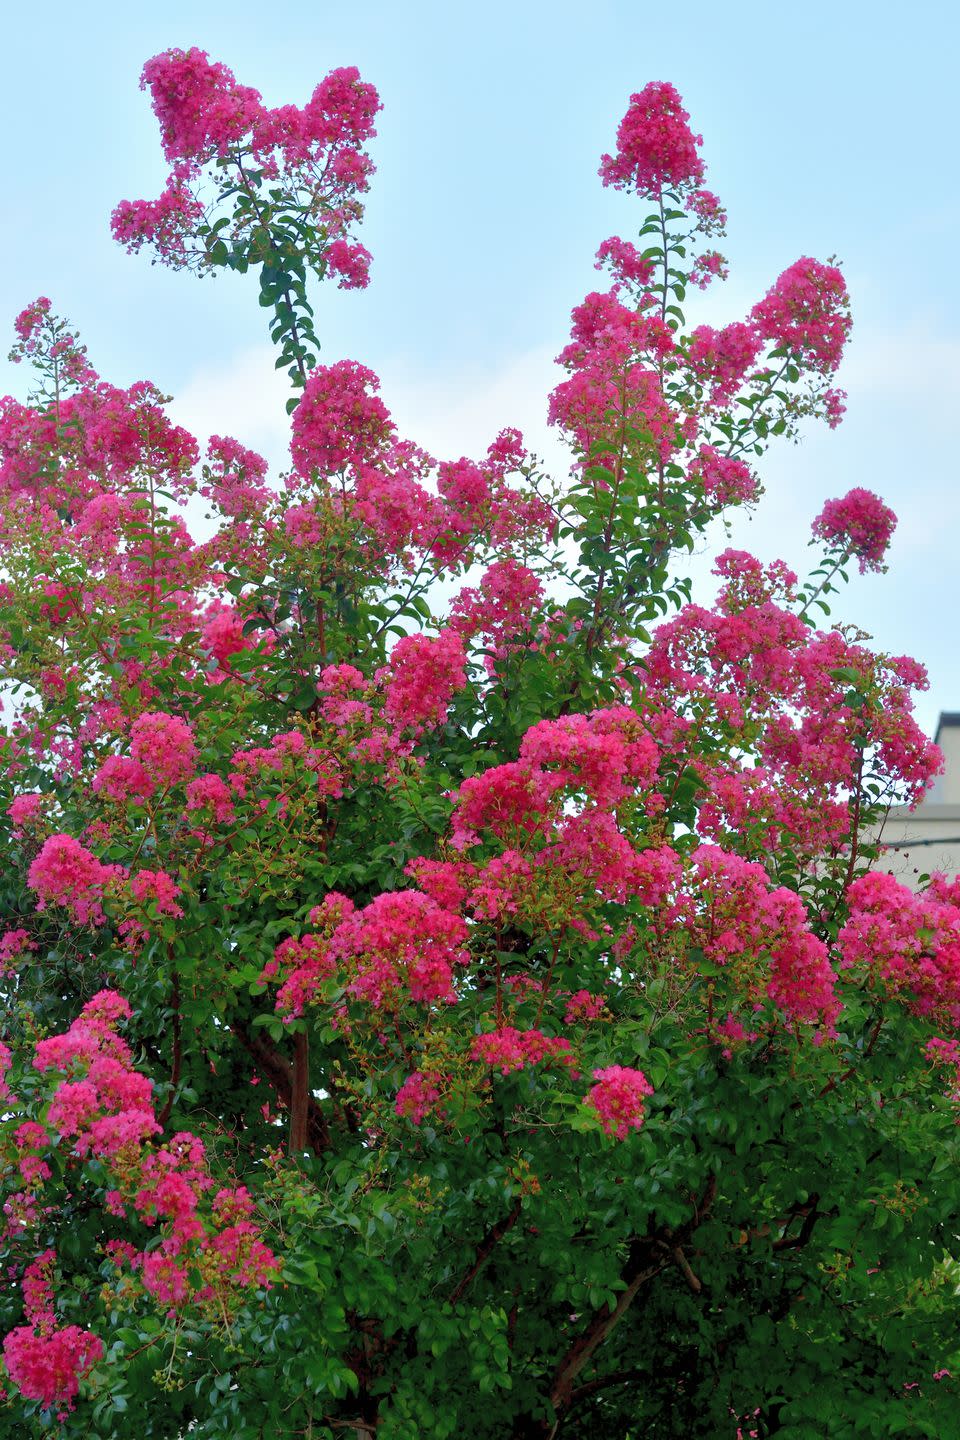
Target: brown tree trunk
(300,1094)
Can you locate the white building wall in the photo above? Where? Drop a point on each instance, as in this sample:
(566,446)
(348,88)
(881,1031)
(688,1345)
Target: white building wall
(928,838)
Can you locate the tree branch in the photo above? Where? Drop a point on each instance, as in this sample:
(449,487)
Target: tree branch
(492,1238)
(635,1274)
(300,1093)
(280,1075)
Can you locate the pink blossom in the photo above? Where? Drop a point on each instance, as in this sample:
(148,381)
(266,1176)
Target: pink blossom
(860,524)
(15,945)
(711,265)
(222,633)
(618,1098)
(164,1278)
(721,359)
(625,260)
(123,779)
(656,150)
(350,262)
(506,1049)
(6,1060)
(711,216)
(339,422)
(400,945)
(210,795)
(156,889)
(168,223)
(584,1006)
(24,811)
(807,311)
(201,108)
(164,746)
(49,1367)
(66,874)
(423,676)
(725,481)
(417,1097)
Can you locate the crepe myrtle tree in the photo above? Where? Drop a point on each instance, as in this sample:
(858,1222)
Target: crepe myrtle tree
(434,1017)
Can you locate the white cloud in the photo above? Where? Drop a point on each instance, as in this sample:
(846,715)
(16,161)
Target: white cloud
(449,416)
(244,399)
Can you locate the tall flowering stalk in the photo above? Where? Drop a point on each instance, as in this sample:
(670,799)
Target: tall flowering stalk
(448,985)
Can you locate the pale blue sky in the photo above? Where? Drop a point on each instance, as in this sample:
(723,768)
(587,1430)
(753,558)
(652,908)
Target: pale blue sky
(828,128)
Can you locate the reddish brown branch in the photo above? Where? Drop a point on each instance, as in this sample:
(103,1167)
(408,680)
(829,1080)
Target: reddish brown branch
(640,1268)
(810,1215)
(280,1074)
(492,1238)
(300,1093)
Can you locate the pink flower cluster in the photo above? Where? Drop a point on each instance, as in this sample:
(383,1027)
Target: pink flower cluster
(48,1364)
(100,1107)
(807,311)
(66,874)
(48,342)
(858,523)
(417,1097)
(909,942)
(604,757)
(656,149)
(304,964)
(722,359)
(753,661)
(164,746)
(25,811)
(506,1049)
(618,1099)
(613,359)
(168,223)
(401,947)
(340,424)
(760,936)
(15,945)
(156,889)
(201,109)
(233,478)
(625,261)
(211,797)
(725,481)
(222,633)
(315,156)
(343,433)
(501,611)
(423,676)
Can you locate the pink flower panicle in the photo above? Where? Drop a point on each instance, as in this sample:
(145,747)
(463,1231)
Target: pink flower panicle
(507,1049)
(656,149)
(858,523)
(417,1097)
(49,1365)
(340,424)
(618,1099)
(807,311)
(98,1106)
(163,744)
(25,811)
(423,676)
(313,155)
(66,874)
(400,946)
(201,109)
